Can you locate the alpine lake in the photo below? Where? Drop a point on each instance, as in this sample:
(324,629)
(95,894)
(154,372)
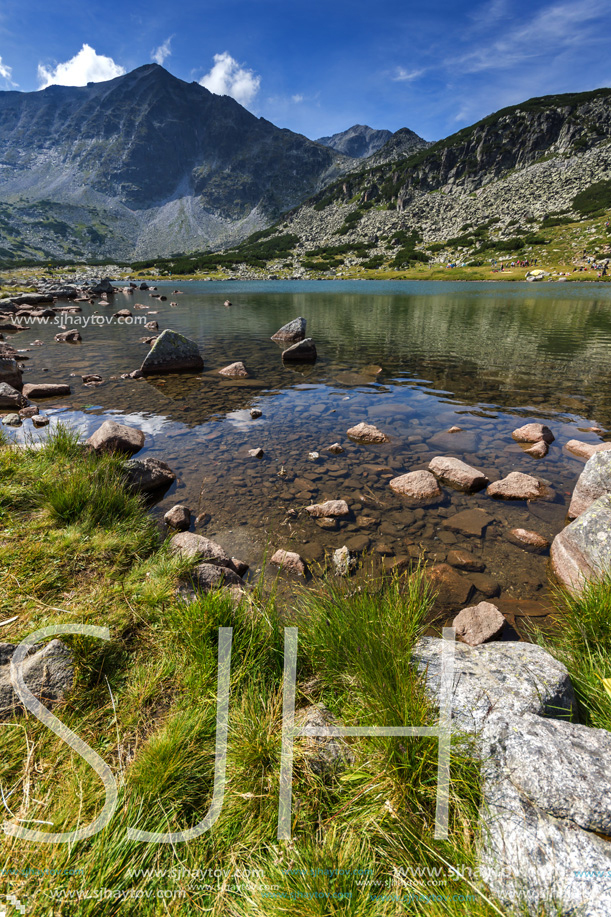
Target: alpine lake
(415,359)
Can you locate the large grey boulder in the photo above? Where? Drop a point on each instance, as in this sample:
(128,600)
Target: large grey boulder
(302,352)
(48,672)
(582,551)
(292,331)
(103,286)
(511,677)
(171,353)
(10,373)
(148,475)
(117,437)
(593,482)
(11,398)
(543,783)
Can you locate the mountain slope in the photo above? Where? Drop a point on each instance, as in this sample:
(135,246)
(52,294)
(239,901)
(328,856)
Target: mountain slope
(488,187)
(152,163)
(359,141)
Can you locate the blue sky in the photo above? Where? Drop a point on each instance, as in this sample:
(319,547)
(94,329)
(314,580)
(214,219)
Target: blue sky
(319,66)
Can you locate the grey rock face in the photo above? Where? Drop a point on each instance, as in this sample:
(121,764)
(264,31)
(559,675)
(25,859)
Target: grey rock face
(172,352)
(148,475)
(302,352)
(542,780)
(48,672)
(510,677)
(593,482)
(292,331)
(582,551)
(359,141)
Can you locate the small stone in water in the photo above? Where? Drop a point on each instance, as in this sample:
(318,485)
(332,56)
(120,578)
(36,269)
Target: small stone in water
(290,561)
(179,517)
(256,453)
(479,623)
(41,420)
(255,412)
(12,420)
(335,449)
(313,456)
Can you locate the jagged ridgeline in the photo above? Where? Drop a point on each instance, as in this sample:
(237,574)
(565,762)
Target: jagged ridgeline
(496,187)
(509,185)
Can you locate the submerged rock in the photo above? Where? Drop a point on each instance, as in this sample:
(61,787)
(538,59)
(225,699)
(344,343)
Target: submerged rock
(329,508)
(172,352)
(530,541)
(367,433)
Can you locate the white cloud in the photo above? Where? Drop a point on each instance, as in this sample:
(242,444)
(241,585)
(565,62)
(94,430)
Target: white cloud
(401,75)
(159,54)
(85,67)
(5,73)
(297,98)
(228,78)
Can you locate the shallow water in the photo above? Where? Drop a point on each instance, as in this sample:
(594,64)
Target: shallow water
(485,357)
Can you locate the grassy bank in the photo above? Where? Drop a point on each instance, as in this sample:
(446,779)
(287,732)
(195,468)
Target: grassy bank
(76,547)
